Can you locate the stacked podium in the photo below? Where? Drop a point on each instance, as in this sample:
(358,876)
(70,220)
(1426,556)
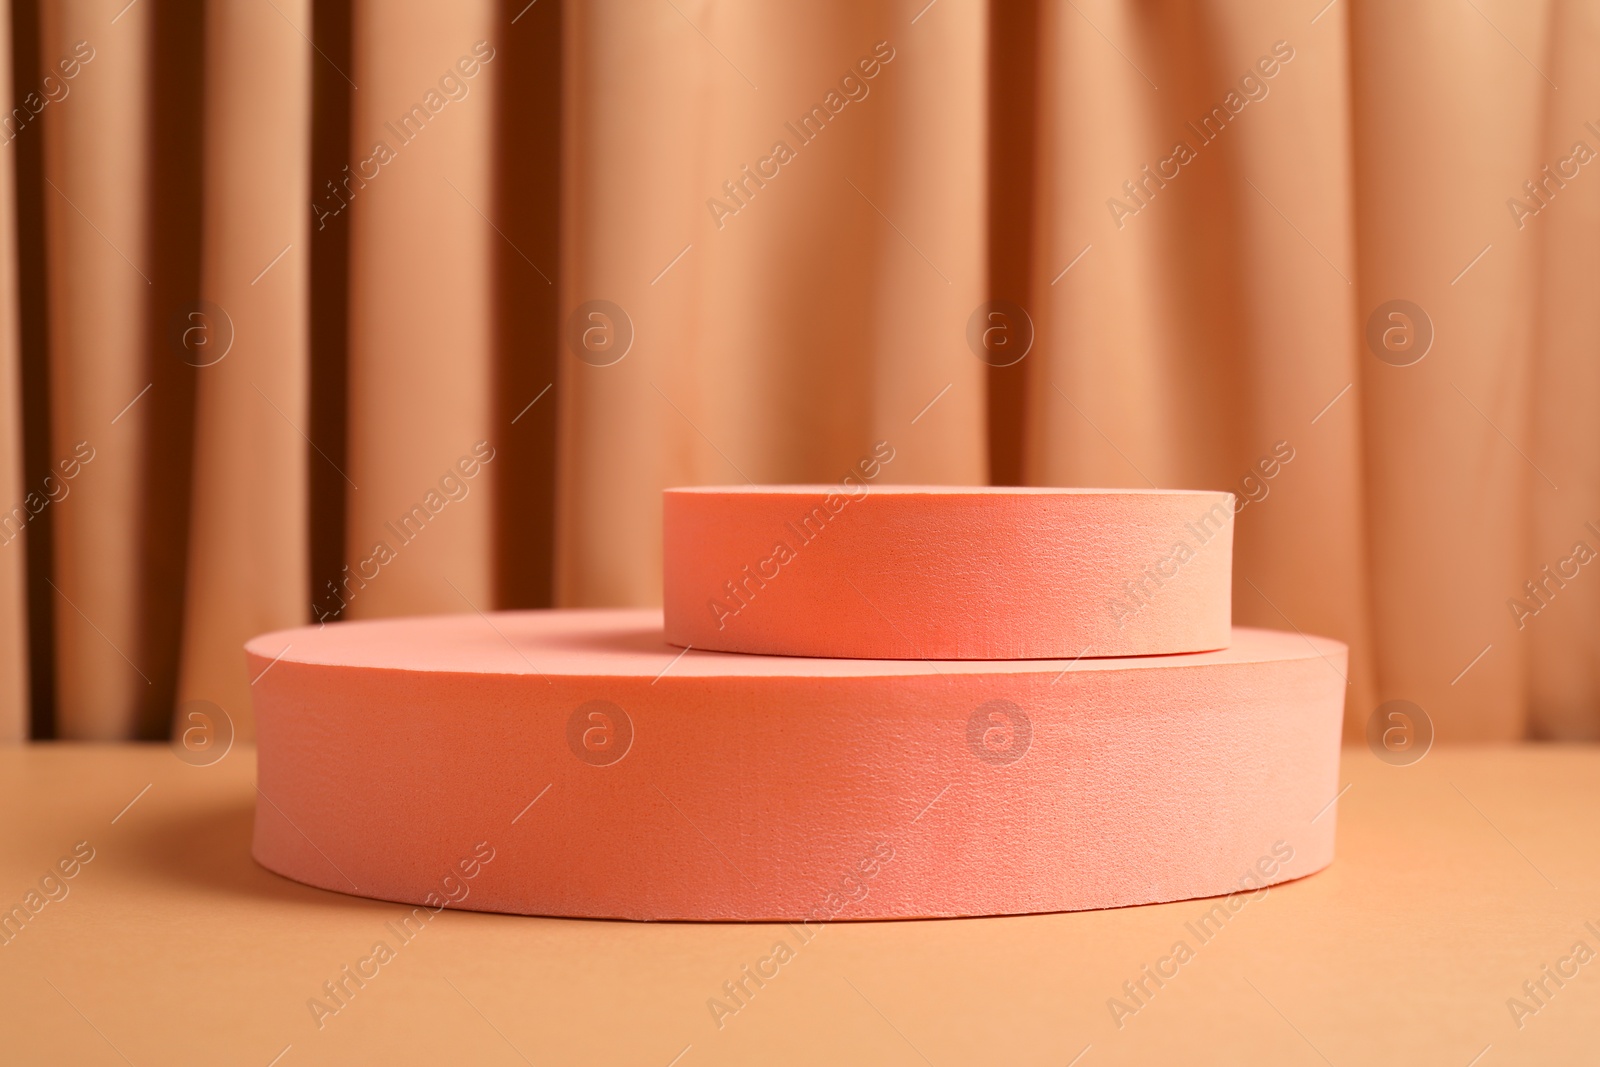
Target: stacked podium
(859,702)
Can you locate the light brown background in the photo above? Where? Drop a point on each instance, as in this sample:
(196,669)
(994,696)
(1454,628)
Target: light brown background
(1222,318)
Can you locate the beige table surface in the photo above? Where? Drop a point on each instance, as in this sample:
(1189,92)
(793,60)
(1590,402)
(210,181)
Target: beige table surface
(1457,880)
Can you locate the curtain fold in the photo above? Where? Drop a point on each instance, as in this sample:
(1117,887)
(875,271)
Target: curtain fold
(14,701)
(1336,261)
(247,337)
(1449,479)
(1563,434)
(419,509)
(97,228)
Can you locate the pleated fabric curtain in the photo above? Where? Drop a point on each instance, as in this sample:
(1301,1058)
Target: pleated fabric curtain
(346,310)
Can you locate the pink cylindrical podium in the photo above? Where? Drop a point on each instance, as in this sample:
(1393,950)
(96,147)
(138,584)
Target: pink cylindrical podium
(608,774)
(934,572)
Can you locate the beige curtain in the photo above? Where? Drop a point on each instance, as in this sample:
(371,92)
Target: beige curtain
(288,270)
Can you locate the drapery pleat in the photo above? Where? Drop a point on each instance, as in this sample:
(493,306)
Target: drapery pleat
(566,255)
(1563,434)
(1449,480)
(247,559)
(13,564)
(97,227)
(420,506)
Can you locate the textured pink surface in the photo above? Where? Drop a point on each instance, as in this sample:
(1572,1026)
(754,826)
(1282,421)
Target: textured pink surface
(929,572)
(777,788)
